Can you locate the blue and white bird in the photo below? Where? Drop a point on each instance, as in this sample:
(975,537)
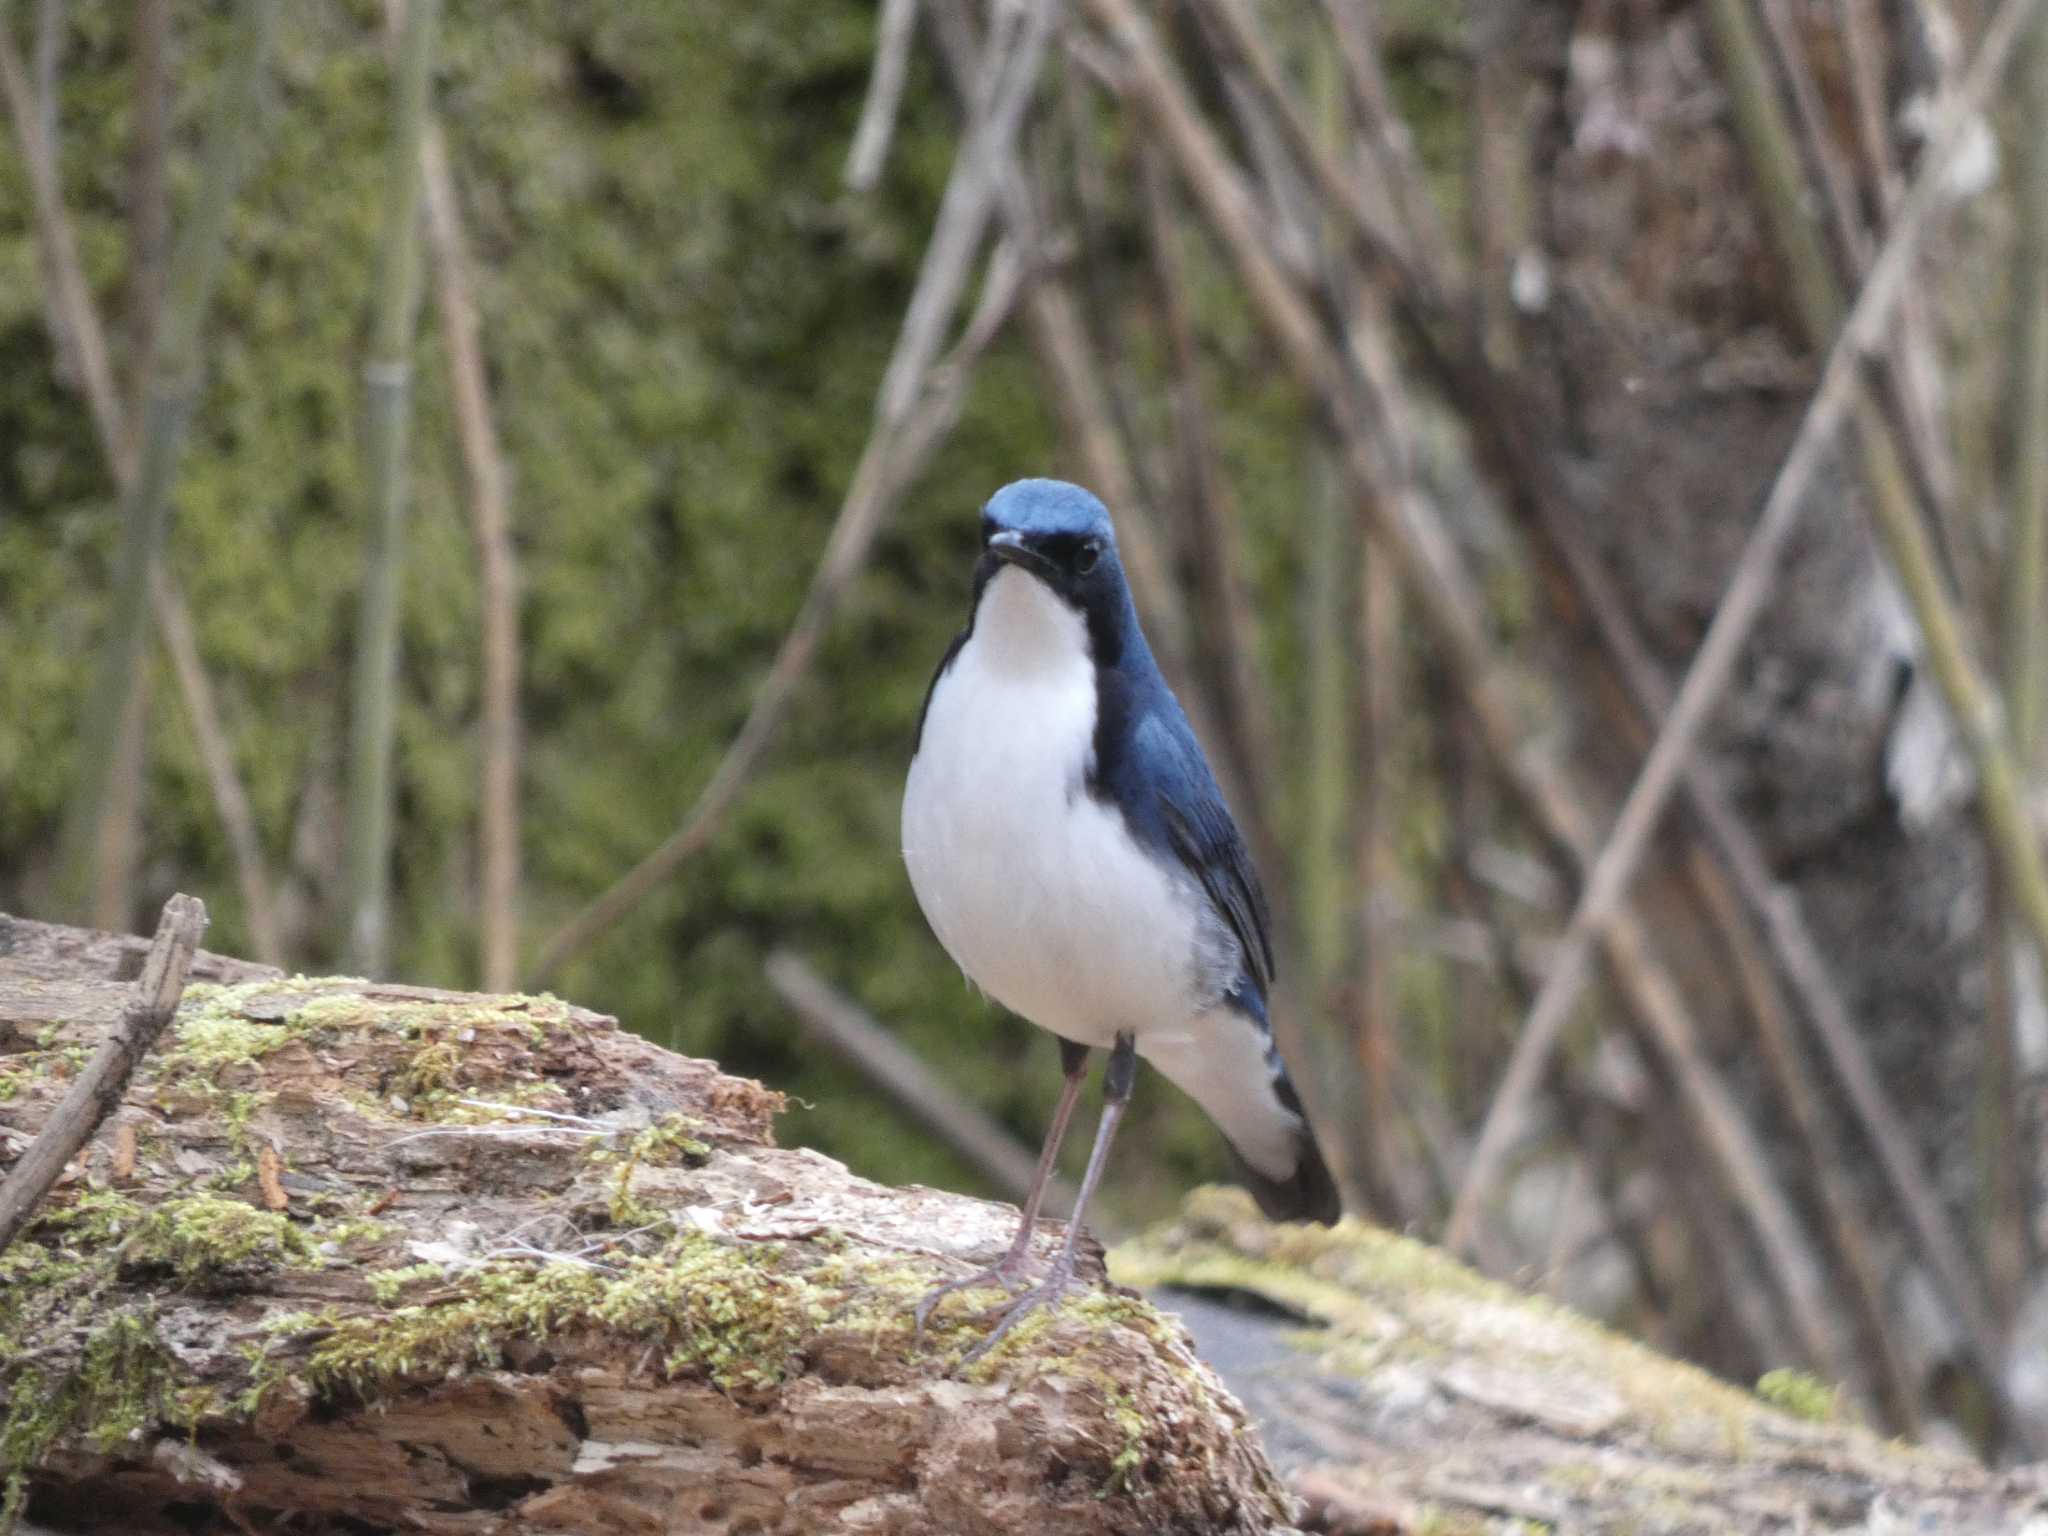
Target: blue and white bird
(1070,848)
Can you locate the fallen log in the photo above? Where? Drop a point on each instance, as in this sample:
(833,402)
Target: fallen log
(355,1256)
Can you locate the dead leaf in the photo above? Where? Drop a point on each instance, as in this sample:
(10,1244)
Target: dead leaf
(127,1147)
(268,1166)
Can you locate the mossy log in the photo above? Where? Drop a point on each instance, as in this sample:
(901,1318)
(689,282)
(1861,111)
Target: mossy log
(355,1256)
(1398,1392)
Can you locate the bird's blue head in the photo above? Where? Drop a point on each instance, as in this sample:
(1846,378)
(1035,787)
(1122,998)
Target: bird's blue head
(1060,534)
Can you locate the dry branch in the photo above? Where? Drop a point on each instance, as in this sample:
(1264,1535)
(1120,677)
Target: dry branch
(870,149)
(99,1088)
(497,564)
(167,408)
(387,425)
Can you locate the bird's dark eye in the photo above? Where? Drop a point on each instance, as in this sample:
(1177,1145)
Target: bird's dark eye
(1086,556)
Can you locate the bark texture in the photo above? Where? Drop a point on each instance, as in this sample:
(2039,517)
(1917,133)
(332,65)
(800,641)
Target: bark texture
(300,1274)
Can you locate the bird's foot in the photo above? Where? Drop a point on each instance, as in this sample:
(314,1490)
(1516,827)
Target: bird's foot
(1008,1273)
(1044,1294)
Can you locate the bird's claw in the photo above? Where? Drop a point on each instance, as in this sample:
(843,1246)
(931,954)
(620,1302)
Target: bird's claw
(1046,1293)
(1007,1273)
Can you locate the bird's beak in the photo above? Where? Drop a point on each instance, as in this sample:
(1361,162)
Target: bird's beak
(1009,545)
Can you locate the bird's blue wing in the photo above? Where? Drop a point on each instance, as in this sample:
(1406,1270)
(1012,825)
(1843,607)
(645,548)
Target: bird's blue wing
(1195,826)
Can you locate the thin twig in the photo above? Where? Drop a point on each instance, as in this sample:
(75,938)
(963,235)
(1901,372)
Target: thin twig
(832,1017)
(1060,337)
(870,151)
(1009,80)
(1228,641)
(1391,145)
(373,722)
(498,570)
(908,428)
(1787,1064)
(98,1089)
(1743,601)
(237,819)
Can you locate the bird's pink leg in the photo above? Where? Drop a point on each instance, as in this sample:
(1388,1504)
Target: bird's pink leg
(1116,1093)
(1005,1272)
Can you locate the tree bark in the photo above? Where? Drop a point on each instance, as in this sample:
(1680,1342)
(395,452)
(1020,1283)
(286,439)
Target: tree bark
(354,1254)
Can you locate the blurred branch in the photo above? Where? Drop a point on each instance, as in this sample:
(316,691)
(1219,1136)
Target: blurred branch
(1060,339)
(167,401)
(84,341)
(1821,1150)
(238,821)
(498,569)
(870,151)
(829,1015)
(1008,80)
(894,456)
(149,198)
(1408,530)
(1392,147)
(47,60)
(1747,590)
(2024,656)
(387,471)
(916,407)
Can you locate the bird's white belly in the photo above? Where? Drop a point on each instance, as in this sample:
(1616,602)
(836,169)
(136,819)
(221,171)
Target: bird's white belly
(1034,887)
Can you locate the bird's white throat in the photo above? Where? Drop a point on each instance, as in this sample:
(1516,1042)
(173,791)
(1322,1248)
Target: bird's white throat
(1023,626)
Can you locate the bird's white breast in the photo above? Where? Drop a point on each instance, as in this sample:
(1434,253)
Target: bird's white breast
(1035,887)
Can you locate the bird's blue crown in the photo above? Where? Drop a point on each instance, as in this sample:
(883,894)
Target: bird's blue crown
(1041,507)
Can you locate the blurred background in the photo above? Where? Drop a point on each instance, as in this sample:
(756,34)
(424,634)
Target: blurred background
(482,493)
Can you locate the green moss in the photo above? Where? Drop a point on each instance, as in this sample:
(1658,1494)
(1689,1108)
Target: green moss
(387,1285)
(125,1381)
(709,1308)
(1800,1394)
(206,1239)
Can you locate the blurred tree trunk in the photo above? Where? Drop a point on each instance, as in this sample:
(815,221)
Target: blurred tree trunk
(1671,331)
